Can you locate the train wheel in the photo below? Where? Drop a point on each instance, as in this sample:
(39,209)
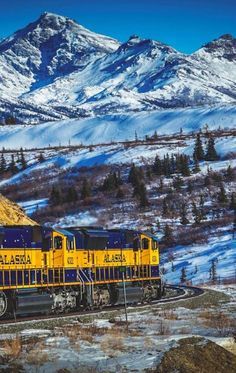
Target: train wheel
(3,304)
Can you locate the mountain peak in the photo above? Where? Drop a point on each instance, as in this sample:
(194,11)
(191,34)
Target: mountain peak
(224,46)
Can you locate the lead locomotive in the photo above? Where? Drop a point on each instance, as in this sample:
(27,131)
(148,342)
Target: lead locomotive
(58,270)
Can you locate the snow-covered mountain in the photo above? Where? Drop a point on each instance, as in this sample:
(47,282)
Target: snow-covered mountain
(67,71)
(50,47)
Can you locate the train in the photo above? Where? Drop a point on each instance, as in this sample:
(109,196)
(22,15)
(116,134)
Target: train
(57,270)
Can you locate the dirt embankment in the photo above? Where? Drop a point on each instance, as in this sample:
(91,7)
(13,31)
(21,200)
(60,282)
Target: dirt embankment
(12,214)
(197,355)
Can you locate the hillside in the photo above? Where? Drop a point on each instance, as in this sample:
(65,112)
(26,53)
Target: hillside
(12,214)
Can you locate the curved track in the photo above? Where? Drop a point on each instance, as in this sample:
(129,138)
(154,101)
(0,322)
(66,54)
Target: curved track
(182,293)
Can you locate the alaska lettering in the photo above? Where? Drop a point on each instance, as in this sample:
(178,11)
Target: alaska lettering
(15,259)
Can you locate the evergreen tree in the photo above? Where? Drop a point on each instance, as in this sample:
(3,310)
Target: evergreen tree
(201,207)
(178,183)
(155,137)
(184,165)
(168,237)
(174,164)
(232,205)
(196,167)
(149,173)
(85,190)
(166,166)
(212,271)
(183,276)
(12,166)
(157,166)
(196,214)
(161,185)
(211,154)
(55,196)
(184,220)
(111,182)
(222,198)
(198,152)
(190,187)
(143,196)
(234,224)
(229,174)
(165,207)
(207,181)
(71,195)
(135,175)
(22,159)
(3,166)
(10,120)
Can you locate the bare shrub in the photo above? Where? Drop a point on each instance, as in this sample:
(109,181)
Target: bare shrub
(220,322)
(12,347)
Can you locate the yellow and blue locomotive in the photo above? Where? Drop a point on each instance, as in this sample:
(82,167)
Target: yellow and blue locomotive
(62,269)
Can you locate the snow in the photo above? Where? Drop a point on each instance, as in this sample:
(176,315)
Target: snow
(88,74)
(31,206)
(222,249)
(119,127)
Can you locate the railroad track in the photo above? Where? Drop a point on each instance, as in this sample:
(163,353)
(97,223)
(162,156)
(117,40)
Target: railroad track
(182,293)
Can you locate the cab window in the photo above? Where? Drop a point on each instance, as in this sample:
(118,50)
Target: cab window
(70,245)
(57,242)
(154,245)
(145,243)
(136,244)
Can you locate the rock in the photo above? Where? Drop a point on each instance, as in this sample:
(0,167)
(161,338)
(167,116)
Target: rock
(12,214)
(196,355)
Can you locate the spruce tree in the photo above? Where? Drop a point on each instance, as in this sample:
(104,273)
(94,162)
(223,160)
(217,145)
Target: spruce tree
(184,165)
(196,167)
(168,237)
(207,181)
(85,190)
(211,154)
(71,194)
(157,166)
(232,204)
(229,175)
(198,152)
(184,220)
(167,165)
(196,214)
(22,159)
(178,183)
(12,166)
(143,196)
(165,207)
(190,187)
(155,137)
(3,166)
(55,196)
(234,224)
(183,276)
(212,271)
(222,197)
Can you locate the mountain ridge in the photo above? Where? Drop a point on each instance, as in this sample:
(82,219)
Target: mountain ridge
(55,62)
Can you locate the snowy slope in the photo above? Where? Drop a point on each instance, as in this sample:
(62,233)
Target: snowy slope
(197,260)
(107,128)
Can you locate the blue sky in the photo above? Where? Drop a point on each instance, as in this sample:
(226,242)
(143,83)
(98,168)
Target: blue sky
(184,24)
